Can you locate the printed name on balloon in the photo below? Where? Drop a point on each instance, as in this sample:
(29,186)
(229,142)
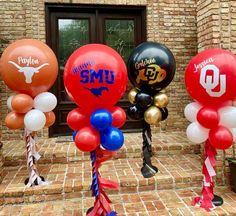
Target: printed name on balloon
(210,82)
(27,61)
(144,62)
(84,65)
(100,76)
(202,64)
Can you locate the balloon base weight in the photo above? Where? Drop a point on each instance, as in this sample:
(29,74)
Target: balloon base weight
(35,182)
(217,200)
(148,171)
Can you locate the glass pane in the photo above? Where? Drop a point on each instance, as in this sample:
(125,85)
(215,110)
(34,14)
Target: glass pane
(73,33)
(119,34)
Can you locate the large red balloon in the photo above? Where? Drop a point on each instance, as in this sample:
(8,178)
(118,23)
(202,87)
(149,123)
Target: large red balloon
(28,66)
(211,76)
(95,76)
(220,137)
(208,117)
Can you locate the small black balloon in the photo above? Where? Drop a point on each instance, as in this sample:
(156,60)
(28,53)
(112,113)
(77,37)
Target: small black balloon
(135,112)
(164,113)
(143,99)
(151,66)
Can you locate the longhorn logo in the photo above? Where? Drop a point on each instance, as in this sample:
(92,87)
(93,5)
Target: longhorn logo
(28,71)
(210,82)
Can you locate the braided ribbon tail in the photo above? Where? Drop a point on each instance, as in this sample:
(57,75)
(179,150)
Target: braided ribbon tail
(208,170)
(102,202)
(148,170)
(31,156)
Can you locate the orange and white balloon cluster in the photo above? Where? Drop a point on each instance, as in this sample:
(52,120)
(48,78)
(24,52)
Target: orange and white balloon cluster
(29,68)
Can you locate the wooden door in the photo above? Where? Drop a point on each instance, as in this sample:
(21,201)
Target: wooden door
(69,27)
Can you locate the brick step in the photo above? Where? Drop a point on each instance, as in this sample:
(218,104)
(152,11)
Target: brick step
(151,203)
(63,150)
(73,179)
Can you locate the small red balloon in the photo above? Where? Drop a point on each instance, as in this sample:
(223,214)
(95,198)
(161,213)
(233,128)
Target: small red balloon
(208,117)
(87,139)
(118,116)
(221,137)
(77,119)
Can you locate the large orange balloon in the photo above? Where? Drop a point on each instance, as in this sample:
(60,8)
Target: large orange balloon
(28,66)
(14,120)
(22,103)
(50,118)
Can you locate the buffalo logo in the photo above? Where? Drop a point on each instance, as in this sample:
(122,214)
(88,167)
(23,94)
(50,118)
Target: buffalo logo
(210,82)
(152,74)
(97,91)
(28,71)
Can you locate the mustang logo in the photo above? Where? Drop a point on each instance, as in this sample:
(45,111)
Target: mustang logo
(28,71)
(97,91)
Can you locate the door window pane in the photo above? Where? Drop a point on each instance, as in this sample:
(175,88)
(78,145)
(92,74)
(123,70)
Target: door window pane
(73,33)
(119,34)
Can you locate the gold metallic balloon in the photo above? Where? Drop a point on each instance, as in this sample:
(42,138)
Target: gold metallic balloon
(152,115)
(132,94)
(161,100)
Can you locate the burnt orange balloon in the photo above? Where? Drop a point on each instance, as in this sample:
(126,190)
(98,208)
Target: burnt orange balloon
(50,118)
(22,103)
(14,120)
(28,66)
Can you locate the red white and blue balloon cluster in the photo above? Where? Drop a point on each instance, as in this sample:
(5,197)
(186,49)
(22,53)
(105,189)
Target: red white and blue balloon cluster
(95,78)
(210,80)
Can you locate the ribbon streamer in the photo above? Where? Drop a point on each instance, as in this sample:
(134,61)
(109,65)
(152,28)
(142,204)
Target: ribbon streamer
(32,156)
(102,202)
(208,170)
(148,170)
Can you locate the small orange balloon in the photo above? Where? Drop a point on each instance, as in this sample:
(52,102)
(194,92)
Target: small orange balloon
(50,118)
(28,66)
(14,120)
(22,103)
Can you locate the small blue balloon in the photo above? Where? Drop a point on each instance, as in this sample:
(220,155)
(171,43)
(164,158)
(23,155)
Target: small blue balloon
(101,119)
(74,134)
(112,139)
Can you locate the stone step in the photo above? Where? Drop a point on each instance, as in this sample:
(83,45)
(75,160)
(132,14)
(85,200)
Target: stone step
(73,179)
(151,203)
(63,150)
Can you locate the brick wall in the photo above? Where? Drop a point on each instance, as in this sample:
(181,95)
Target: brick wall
(172,22)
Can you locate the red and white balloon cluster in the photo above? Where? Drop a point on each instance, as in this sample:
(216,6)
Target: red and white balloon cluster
(210,80)
(31,113)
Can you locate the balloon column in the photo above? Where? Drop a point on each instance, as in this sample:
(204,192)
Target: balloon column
(210,80)
(95,78)
(29,67)
(151,67)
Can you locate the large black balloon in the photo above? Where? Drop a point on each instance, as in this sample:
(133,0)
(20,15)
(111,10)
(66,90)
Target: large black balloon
(143,99)
(151,67)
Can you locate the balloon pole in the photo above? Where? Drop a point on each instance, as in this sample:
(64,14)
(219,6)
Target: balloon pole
(32,156)
(102,202)
(148,170)
(208,200)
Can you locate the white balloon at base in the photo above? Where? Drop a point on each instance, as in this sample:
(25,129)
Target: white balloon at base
(34,120)
(191,110)
(9,100)
(45,102)
(228,116)
(196,133)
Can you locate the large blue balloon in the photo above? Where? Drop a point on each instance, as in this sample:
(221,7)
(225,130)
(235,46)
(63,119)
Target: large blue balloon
(101,119)
(112,139)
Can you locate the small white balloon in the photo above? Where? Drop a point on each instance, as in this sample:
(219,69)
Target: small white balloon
(196,133)
(9,100)
(228,116)
(34,120)
(45,102)
(191,111)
